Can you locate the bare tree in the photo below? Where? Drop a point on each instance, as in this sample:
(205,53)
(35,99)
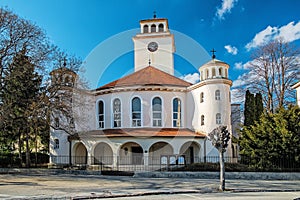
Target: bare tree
(17,33)
(275,67)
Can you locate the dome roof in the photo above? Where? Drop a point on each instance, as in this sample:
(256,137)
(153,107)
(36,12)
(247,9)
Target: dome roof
(215,62)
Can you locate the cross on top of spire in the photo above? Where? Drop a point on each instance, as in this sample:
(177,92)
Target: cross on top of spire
(213,53)
(154,14)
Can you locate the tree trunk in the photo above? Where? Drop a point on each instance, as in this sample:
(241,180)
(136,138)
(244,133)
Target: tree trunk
(27,151)
(222,171)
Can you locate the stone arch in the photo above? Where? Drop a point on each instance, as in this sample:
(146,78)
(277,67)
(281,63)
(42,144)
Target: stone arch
(159,149)
(131,153)
(153,28)
(80,153)
(191,152)
(146,28)
(160,28)
(103,154)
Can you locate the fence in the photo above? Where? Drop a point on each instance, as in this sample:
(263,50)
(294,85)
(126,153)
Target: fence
(173,162)
(13,160)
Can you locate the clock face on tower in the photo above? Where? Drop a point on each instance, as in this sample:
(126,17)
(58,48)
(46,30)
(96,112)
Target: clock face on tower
(152,46)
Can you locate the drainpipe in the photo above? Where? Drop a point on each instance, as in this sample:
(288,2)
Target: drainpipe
(205,139)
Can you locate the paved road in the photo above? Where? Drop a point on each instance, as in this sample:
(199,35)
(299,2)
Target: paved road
(77,186)
(223,196)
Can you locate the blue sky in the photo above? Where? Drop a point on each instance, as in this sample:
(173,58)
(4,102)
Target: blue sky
(235,28)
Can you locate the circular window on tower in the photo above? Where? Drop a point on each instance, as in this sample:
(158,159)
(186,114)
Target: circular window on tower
(152,46)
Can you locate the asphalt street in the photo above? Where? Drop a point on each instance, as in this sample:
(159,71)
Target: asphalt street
(17,186)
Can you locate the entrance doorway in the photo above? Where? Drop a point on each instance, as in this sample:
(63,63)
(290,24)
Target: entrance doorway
(137,155)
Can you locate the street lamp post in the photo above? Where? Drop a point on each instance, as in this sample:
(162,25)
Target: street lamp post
(220,138)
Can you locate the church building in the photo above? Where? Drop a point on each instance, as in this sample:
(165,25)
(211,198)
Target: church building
(148,118)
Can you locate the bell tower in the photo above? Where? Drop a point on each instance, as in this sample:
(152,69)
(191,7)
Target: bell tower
(154,45)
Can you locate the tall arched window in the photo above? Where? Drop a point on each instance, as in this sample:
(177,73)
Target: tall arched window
(160,28)
(201,97)
(153,28)
(177,113)
(101,114)
(146,29)
(217,95)
(156,112)
(206,74)
(117,112)
(213,72)
(56,122)
(202,120)
(56,144)
(136,109)
(220,72)
(218,118)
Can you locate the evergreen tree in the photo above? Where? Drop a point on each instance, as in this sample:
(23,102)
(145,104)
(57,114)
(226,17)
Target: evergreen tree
(21,88)
(259,107)
(274,140)
(249,112)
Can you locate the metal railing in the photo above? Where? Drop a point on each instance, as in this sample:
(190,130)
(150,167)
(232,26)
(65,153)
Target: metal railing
(169,162)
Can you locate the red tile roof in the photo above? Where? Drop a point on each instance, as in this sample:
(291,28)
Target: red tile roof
(143,132)
(147,76)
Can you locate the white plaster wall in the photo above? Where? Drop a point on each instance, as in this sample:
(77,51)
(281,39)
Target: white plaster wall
(84,110)
(210,107)
(298,96)
(63,149)
(161,59)
(146,100)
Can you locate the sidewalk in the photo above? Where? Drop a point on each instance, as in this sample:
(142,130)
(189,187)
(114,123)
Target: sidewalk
(68,186)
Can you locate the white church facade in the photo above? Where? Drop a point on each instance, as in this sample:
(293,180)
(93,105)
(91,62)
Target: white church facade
(150,117)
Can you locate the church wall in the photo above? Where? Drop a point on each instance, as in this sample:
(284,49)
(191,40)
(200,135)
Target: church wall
(161,59)
(62,149)
(210,107)
(146,100)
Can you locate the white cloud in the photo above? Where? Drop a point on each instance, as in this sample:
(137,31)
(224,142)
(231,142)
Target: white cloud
(192,78)
(245,66)
(288,33)
(226,7)
(231,49)
(238,65)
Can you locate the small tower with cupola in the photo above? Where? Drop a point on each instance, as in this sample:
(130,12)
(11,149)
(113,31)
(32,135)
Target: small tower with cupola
(212,97)
(155,45)
(61,90)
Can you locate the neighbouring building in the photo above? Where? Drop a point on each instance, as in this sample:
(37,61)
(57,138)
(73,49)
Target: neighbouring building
(297,88)
(147,118)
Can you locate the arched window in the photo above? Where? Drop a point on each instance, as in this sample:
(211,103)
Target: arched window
(153,28)
(56,122)
(136,109)
(160,28)
(156,111)
(218,118)
(217,95)
(207,74)
(146,29)
(213,72)
(220,72)
(201,97)
(100,114)
(202,120)
(117,112)
(56,144)
(177,112)
(67,80)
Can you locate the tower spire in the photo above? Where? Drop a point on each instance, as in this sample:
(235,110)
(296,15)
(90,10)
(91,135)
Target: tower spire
(213,53)
(154,14)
